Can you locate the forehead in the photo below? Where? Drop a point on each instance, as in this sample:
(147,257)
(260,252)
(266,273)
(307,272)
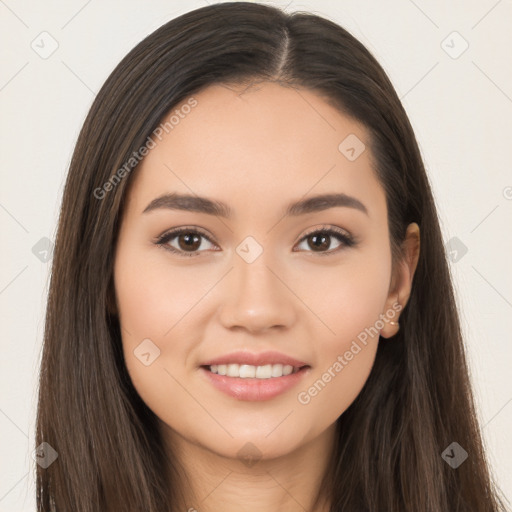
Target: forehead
(255,146)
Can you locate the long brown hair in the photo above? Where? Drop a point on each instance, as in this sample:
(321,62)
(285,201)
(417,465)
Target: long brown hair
(417,400)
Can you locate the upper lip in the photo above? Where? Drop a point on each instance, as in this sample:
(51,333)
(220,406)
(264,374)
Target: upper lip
(260,359)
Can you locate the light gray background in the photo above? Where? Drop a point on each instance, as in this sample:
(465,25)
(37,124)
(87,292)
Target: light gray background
(460,109)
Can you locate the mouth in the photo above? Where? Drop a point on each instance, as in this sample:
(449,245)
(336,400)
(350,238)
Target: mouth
(248,371)
(254,383)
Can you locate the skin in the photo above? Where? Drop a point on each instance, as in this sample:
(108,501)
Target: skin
(256,150)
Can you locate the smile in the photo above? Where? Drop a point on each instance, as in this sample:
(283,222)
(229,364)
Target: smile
(248,371)
(254,383)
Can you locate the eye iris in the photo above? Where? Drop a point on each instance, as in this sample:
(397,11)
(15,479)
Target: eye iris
(188,238)
(323,244)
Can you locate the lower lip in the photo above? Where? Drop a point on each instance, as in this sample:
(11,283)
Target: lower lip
(255,390)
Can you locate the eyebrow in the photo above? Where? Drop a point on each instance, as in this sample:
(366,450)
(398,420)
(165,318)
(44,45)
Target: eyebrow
(208,206)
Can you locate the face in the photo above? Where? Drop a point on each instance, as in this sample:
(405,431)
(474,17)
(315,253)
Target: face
(313,283)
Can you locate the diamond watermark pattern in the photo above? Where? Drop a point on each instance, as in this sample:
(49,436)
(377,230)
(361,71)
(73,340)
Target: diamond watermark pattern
(146,352)
(454,455)
(351,147)
(456,249)
(249,249)
(44,45)
(454,45)
(43,249)
(44,455)
(249,454)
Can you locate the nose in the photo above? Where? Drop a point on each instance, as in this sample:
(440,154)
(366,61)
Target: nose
(257,297)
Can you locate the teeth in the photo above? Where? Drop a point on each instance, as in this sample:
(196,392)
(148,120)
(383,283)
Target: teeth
(247,371)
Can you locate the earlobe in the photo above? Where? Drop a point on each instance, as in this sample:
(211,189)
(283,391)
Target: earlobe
(392,317)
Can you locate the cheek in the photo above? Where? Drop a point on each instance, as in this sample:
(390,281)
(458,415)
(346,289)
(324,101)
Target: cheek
(346,297)
(153,297)
(161,303)
(345,358)
(349,301)
(152,307)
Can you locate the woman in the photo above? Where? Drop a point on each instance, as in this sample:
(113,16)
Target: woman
(250,304)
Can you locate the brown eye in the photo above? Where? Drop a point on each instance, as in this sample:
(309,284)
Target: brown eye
(189,242)
(184,242)
(320,241)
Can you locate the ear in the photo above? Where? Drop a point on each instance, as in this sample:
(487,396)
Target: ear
(401,283)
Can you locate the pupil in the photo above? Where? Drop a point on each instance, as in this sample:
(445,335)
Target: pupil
(188,238)
(322,244)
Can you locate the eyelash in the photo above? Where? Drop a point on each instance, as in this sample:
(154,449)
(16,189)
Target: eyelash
(165,238)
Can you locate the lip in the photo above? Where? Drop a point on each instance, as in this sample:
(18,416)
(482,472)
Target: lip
(254,389)
(261,359)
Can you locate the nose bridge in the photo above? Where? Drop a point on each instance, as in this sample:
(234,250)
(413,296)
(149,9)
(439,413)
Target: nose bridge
(256,298)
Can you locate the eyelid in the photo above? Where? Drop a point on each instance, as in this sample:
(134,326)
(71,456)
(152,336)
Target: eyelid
(345,238)
(164,238)
(326,227)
